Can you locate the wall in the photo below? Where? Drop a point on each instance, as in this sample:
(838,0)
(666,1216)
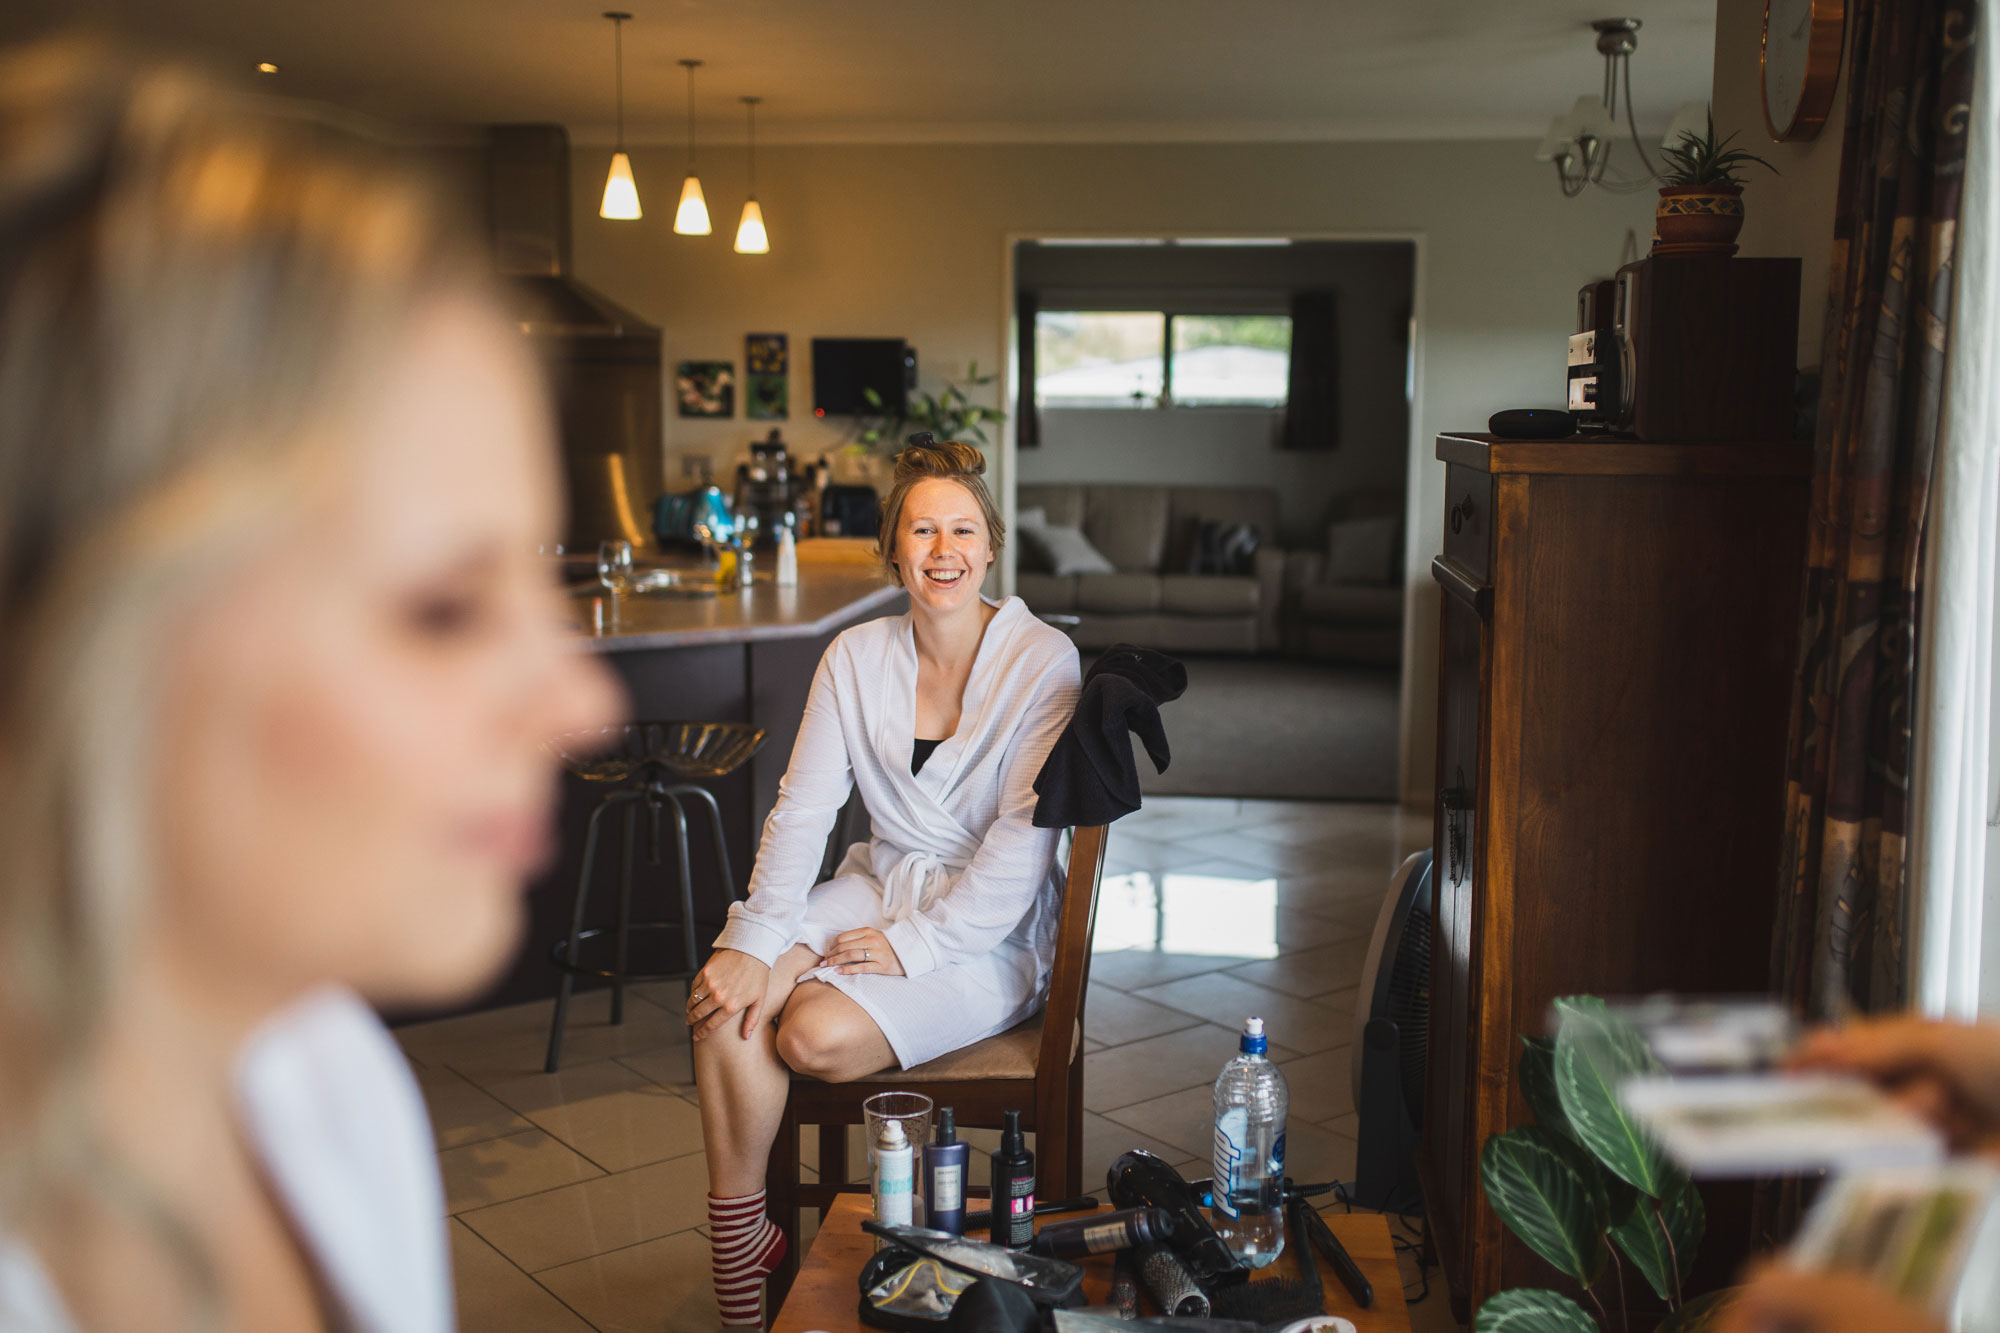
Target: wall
(1230,447)
(1790,213)
(914,241)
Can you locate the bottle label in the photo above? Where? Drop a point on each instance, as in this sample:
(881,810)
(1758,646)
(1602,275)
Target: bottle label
(1104,1237)
(1020,1210)
(893,1191)
(947,1189)
(1231,1128)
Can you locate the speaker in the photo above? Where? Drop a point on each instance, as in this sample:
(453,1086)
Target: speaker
(1532,423)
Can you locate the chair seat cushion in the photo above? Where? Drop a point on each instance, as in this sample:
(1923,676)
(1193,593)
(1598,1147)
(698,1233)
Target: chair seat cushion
(1208,595)
(1353,603)
(1118,594)
(1010,1054)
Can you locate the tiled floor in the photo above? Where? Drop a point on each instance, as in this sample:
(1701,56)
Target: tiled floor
(577,1198)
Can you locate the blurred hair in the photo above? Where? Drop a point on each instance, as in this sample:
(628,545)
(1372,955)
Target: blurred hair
(195,289)
(949,461)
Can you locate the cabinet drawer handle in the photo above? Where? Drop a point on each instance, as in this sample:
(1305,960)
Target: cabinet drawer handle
(1460,514)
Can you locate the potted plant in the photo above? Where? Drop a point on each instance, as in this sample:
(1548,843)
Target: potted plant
(1701,195)
(1584,1185)
(950,415)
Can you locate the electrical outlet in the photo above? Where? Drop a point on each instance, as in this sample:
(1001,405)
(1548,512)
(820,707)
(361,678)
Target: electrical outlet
(698,466)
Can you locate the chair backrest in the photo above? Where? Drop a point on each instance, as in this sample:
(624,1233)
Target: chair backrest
(1076,923)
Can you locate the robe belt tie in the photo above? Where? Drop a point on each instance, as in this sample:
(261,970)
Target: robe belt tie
(916,882)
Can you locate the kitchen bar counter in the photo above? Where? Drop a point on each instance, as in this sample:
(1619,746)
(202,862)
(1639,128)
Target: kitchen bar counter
(827,598)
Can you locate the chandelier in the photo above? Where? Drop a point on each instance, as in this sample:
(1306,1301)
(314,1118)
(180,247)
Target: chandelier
(1580,143)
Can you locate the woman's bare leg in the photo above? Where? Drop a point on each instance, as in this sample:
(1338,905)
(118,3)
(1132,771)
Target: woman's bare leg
(830,1037)
(742,1084)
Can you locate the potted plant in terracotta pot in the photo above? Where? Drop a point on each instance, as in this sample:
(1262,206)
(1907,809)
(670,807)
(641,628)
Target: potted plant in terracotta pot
(1701,195)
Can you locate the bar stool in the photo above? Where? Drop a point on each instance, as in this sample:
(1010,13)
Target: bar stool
(653,764)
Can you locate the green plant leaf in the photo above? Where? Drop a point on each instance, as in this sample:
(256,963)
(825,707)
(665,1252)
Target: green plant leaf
(1638,1235)
(871,435)
(872,398)
(1594,1054)
(1531,1310)
(1700,1314)
(1536,1071)
(1542,1186)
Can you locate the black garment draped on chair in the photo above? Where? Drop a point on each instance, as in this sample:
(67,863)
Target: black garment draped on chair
(1091,776)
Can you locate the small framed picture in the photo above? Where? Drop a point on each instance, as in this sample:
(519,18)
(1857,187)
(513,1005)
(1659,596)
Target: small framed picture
(766,397)
(765,354)
(706,388)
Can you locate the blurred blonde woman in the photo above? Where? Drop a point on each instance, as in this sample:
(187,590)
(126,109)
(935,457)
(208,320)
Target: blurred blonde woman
(276,654)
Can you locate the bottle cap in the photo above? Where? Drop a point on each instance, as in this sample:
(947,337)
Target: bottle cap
(893,1136)
(1010,1137)
(947,1130)
(1254,1042)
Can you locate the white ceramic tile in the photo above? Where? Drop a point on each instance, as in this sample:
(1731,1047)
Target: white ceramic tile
(651,1287)
(1289,1021)
(1141,1070)
(461,1113)
(607,1213)
(611,1114)
(496,1297)
(493,1170)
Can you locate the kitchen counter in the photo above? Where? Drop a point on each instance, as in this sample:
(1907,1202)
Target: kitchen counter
(827,598)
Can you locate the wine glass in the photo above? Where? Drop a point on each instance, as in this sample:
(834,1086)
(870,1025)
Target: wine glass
(614,566)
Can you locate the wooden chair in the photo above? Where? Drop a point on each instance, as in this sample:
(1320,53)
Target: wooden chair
(1035,1067)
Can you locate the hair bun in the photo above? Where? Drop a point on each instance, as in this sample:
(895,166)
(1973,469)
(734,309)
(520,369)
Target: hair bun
(947,458)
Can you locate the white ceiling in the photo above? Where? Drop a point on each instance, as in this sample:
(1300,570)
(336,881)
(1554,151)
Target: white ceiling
(938,70)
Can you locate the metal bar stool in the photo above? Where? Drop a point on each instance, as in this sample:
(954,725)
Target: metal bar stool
(652,763)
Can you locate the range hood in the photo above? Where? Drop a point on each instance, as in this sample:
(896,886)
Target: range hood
(605,359)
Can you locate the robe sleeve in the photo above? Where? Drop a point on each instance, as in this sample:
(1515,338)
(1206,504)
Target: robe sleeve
(1000,884)
(815,786)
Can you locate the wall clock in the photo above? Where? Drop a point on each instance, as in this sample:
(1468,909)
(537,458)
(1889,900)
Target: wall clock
(1801,63)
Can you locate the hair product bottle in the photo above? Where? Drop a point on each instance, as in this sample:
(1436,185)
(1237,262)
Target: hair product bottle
(1127,1229)
(1013,1188)
(895,1177)
(944,1177)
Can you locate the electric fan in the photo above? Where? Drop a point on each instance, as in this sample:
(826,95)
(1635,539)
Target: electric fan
(1392,1020)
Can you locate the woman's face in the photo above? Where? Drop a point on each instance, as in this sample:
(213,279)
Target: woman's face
(352,785)
(943,548)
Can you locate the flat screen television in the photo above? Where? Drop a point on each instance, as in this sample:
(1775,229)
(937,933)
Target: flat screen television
(844,367)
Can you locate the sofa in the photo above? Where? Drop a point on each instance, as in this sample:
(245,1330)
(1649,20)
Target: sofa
(1344,601)
(1148,535)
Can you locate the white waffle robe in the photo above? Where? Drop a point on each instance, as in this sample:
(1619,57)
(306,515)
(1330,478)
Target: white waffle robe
(957,876)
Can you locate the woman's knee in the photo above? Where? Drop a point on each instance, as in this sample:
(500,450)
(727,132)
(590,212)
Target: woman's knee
(822,1043)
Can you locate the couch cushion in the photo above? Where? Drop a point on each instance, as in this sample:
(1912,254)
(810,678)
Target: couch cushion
(1353,603)
(1208,595)
(1118,594)
(1061,551)
(1059,502)
(1128,524)
(1363,550)
(1045,592)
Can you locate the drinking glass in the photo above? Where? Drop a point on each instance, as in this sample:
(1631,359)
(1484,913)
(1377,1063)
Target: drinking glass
(614,566)
(912,1110)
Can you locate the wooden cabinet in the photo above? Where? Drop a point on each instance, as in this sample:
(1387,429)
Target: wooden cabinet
(1616,653)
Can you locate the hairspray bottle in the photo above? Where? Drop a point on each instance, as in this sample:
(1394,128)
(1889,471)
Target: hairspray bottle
(1013,1188)
(944,1177)
(895,1176)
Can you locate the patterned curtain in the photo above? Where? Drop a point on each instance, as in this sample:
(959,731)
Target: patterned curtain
(1839,940)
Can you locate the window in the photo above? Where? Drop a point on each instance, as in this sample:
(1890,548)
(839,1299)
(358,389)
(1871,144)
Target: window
(1154,358)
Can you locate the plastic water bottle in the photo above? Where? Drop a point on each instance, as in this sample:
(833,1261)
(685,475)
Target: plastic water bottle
(1248,1191)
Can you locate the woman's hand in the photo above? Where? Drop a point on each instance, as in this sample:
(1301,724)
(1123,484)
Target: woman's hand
(864,950)
(1948,1073)
(732,983)
(1778,1299)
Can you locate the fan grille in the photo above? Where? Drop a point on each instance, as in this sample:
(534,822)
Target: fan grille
(1410,1004)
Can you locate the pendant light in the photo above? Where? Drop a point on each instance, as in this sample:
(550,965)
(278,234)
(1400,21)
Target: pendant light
(621,195)
(691,218)
(750,235)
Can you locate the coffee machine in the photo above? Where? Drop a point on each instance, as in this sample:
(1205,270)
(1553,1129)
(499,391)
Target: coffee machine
(769,494)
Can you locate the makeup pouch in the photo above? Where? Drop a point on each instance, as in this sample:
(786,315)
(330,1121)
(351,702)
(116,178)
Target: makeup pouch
(915,1281)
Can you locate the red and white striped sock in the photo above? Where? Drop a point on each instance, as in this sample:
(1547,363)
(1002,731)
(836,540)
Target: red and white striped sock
(745,1247)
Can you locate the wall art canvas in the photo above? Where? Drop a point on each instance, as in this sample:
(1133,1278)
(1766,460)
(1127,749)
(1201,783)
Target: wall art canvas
(766,397)
(706,388)
(765,354)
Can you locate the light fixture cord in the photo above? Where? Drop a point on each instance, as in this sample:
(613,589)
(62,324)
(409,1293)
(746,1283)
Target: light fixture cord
(751,108)
(618,45)
(690,70)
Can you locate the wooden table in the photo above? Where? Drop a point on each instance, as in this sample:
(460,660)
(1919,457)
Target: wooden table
(825,1295)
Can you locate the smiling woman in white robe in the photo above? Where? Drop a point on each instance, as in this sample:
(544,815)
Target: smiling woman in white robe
(937,931)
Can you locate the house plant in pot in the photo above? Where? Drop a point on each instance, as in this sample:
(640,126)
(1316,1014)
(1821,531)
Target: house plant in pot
(1701,195)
